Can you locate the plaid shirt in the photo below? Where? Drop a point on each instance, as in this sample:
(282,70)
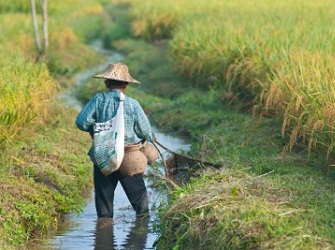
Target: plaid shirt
(103,107)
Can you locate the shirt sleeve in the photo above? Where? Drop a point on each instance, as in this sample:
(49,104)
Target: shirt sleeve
(142,125)
(87,116)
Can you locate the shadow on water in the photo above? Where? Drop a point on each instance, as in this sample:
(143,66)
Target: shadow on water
(85,231)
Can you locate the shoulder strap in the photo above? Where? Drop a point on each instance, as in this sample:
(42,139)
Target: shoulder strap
(122,96)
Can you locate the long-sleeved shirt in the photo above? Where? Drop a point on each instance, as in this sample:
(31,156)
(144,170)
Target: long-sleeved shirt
(103,107)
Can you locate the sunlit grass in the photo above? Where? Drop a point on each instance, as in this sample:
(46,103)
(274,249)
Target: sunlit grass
(235,210)
(42,178)
(42,172)
(266,198)
(274,57)
(26,89)
(27,86)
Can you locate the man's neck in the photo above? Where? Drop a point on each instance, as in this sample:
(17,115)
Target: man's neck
(121,89)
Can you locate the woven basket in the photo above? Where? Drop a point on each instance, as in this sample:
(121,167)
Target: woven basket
(150,152)
(134,161)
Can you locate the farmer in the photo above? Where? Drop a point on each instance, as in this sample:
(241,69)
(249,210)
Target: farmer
(101,108)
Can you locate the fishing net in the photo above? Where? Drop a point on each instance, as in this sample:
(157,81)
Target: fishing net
(180,168)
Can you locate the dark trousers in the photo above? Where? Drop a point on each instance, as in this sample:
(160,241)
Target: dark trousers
(133,186)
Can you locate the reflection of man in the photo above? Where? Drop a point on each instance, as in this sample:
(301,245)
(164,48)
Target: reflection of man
(135,240)
(104,237)
(137,237)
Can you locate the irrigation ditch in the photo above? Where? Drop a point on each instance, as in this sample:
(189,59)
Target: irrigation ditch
(125,231)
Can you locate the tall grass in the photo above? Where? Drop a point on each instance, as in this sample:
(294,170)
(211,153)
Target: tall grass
(42,172)
(27,86)
(26,89)
(18,6)
(274,57)
(303,92)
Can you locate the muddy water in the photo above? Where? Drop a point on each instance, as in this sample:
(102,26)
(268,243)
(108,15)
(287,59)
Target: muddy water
(84,231)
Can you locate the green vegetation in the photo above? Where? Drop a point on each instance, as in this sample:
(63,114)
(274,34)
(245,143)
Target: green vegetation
(267,197)
(44,169)
(23,97)
(204,66)
(42,177)
(235,210)
(271,57)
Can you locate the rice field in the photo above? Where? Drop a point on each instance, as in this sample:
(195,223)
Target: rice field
(28,84)
(26,89)
(275,57)
(40,177)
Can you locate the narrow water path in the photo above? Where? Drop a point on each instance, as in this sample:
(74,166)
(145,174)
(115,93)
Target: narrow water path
(85,232)
(125,231)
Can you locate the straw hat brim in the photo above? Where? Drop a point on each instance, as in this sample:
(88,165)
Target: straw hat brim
(128,79)
(118,72)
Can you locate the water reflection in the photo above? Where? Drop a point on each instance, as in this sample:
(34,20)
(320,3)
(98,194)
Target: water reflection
(104,234)
(136,238)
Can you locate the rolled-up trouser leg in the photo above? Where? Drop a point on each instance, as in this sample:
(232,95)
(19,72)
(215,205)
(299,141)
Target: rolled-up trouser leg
(104,192)
(136,192)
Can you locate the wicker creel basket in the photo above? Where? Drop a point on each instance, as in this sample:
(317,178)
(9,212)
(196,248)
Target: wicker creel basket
(150,152)
(134,161)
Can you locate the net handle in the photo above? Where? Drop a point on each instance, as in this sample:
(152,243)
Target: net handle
(154,143)
(215,165)
(175,185)
(164,147)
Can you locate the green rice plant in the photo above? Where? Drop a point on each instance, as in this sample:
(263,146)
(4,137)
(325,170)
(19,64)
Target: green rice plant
(35,136)
(53,6)
(86,20)
(66,33)
(116,26)
(14,6)
(153,20)
(26,89)
(17,34)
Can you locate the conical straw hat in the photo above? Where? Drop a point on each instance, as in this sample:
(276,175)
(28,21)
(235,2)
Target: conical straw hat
(119,72)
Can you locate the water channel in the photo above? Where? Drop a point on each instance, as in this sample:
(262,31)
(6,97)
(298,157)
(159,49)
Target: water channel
(84,231)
